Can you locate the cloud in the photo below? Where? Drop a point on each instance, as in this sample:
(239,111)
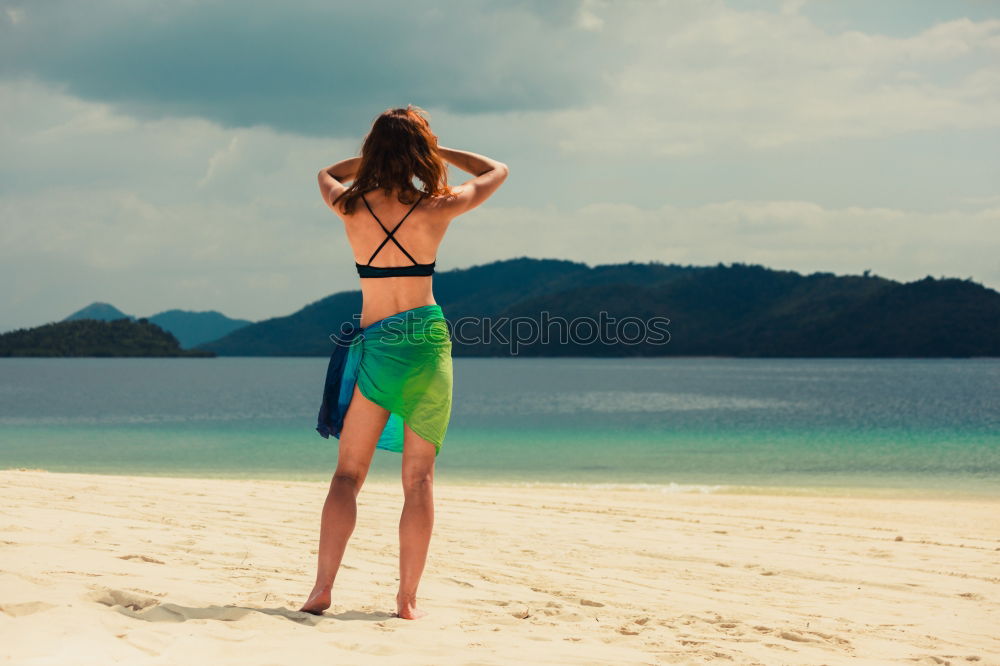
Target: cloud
(676,78)
(721,80)
(310,67)
(791,7)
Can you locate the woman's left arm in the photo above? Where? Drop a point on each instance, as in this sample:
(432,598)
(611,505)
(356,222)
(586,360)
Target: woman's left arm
(332,178)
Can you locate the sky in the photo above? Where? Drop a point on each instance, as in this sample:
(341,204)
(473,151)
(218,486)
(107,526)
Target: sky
(160,154)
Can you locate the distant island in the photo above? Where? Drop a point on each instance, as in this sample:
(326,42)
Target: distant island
(93,337)
(739,310)
(736,310)
(189,327)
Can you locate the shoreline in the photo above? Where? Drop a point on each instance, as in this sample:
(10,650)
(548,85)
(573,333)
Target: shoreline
(445,477)
(101,568)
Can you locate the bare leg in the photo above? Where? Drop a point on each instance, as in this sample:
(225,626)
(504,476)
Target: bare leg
(363,424)
(416,522)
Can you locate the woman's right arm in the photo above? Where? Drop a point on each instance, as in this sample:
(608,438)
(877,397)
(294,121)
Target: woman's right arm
(488,175)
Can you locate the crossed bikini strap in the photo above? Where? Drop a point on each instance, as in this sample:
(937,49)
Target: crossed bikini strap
(390,235)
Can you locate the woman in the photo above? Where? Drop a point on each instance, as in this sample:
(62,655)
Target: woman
(389,380)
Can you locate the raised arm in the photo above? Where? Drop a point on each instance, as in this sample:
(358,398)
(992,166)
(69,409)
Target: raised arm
(332,178)
(488,175)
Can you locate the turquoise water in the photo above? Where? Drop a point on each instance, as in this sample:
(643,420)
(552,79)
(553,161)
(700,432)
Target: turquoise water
(858,426)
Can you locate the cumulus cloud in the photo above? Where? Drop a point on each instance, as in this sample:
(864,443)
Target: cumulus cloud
(712,79)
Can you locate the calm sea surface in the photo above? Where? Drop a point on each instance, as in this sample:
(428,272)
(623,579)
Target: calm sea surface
(858,426)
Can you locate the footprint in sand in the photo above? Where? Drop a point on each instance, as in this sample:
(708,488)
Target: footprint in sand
(25,608)
(778,646)
(552,608)
(634,627)
(802,635)
(972,595)
(944,659)
(124,598)
(812,637)
(144,558)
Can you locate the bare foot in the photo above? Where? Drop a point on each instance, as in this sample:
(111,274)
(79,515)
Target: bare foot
(318,601)
(407,608)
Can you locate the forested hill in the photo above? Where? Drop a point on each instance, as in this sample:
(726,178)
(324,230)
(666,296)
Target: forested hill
(93,337)
(734,310)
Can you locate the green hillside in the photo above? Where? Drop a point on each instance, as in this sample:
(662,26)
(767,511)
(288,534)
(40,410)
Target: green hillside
(92,337)
(734,310)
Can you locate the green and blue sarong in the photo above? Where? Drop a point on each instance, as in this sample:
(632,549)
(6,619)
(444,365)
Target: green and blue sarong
(401,363)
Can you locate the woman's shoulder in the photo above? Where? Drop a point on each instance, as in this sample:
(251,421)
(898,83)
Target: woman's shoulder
(391,207)
(420,201)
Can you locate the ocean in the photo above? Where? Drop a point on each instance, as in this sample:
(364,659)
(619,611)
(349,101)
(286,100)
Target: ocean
(875,427)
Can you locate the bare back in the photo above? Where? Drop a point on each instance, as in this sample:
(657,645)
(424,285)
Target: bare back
(420,234)
(380,218)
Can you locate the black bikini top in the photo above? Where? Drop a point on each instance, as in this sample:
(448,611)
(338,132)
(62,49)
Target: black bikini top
(417,269)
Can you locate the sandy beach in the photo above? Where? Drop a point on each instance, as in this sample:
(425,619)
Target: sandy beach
(101,569)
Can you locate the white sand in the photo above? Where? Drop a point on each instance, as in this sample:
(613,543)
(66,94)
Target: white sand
(144,570)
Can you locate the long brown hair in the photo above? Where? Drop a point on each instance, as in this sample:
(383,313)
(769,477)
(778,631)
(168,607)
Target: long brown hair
(399,146)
